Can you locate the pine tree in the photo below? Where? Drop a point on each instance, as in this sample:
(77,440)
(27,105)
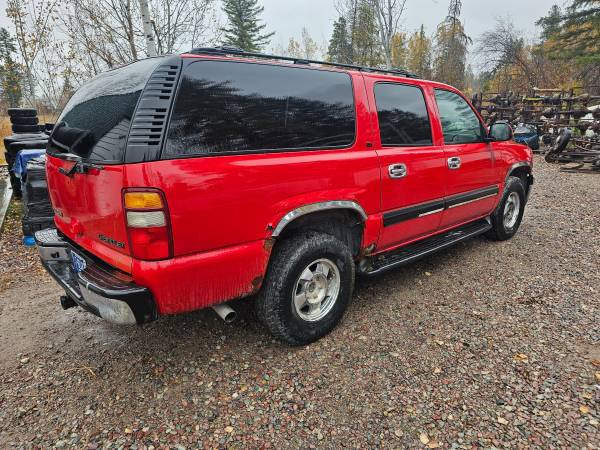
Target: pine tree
(11,75)
(366,50)
(244,30)
(451,48)
(418,59)
(340,49)
(550,24)
(579,35)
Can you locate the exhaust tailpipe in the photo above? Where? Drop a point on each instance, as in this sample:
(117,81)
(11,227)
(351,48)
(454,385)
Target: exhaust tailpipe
(225,312)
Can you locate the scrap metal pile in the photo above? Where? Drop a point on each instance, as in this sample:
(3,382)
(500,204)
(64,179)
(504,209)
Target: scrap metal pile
(566,121)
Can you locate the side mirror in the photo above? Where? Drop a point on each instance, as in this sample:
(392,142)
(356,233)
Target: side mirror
(500,131)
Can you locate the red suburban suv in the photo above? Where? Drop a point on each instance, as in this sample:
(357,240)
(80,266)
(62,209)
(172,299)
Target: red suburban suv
(182,182)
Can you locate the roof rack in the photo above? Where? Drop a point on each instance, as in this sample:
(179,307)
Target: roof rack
(235,51)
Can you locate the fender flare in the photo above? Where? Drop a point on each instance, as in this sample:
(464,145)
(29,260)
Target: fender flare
(316,207)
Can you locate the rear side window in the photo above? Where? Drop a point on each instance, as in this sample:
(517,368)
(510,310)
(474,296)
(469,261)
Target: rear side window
(402,113)
(460,124)
(95,122)
(228,107)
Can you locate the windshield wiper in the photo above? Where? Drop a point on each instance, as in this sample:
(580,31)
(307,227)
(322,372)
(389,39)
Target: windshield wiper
(79,166)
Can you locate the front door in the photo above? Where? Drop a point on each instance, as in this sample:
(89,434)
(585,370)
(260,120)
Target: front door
(471,181)
(412,168)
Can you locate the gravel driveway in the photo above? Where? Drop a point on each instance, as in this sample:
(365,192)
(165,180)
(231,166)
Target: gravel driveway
(486,345)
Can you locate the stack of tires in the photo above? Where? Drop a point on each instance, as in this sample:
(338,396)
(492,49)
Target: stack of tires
(37,210)
(24,120)
(27,135)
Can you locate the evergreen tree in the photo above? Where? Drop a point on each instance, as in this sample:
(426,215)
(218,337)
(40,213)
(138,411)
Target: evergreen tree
(11,75)
(451,48)
(340,49)
(366,50)
(244,30)
(579,35)
(550,24)
(418,59)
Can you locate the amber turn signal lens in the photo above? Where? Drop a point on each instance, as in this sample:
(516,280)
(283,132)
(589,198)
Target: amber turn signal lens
(143,200)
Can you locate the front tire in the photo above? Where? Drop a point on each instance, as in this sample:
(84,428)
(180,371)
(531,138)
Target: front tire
(507,216)
(308,286)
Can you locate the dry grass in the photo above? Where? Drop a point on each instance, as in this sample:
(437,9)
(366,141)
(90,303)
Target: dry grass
(5,130)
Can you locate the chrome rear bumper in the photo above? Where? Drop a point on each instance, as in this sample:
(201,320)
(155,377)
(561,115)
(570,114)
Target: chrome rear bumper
(98,288)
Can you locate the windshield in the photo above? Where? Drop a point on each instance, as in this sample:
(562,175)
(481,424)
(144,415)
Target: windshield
(95,122)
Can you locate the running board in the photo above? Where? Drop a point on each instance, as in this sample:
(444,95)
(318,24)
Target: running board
(417,250)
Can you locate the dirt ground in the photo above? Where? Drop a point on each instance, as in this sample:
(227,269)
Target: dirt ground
(488,345)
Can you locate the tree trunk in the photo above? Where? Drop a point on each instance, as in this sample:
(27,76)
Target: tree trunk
(147,24)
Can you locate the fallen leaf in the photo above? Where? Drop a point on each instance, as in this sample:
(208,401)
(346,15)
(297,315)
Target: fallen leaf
(437,370)
(424,438)
(439,342)
(433,444)
(128,431)
(522,357)
(502,420)
(228,429)
(597,376)
(583,409)
(595,362)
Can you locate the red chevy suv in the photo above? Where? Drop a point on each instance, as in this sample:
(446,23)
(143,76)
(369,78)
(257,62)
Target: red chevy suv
(182,182)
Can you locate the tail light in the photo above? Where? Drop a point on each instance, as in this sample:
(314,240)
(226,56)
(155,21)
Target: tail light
(148,225)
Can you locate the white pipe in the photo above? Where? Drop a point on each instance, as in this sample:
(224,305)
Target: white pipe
(225,312)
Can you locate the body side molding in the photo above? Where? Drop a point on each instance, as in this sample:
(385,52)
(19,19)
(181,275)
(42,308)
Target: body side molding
(315,207)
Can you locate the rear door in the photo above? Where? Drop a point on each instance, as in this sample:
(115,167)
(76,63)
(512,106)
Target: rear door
(412,166)
(472,185)
(94,126)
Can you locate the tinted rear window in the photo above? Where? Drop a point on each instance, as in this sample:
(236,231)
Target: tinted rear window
(226,107)
(403,118)
(95,122)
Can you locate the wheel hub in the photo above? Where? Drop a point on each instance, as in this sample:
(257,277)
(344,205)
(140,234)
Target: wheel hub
(316,290)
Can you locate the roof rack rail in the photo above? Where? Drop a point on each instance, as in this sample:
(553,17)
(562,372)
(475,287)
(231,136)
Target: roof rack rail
(235,51)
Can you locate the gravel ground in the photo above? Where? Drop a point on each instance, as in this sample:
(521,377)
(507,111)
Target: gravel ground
(493,345)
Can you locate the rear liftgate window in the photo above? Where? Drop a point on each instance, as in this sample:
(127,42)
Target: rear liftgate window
(229,107)
(96,120)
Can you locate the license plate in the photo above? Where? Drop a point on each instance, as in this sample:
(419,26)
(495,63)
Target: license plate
(77,262)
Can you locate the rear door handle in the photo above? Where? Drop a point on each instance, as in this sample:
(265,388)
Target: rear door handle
(454,163)
(397,170)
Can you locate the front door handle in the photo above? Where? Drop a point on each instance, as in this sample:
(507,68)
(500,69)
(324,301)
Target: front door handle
(397,170)
(454,163)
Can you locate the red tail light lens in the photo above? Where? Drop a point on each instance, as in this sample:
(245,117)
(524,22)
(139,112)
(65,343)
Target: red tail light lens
(148,225)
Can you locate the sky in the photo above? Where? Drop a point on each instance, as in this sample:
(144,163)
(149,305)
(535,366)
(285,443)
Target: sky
(287,17)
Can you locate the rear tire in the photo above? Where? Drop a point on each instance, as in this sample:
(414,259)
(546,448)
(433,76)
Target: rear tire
(308,286)
(507,216)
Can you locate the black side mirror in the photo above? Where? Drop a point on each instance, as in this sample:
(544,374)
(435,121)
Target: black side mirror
(501,131)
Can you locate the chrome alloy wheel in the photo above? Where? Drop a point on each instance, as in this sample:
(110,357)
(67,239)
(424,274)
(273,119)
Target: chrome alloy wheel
(316,290)
(512,208)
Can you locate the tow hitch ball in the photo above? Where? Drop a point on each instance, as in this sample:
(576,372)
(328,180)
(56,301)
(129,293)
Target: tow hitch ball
(67,302)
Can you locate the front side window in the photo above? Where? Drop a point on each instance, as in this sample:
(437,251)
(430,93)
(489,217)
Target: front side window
(228,107)
(402,113)
(460,124)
